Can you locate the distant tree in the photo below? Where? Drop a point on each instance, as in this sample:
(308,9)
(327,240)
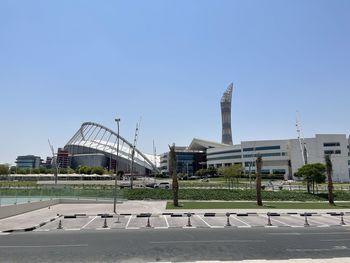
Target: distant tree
(4,169)
(172,173)
(35,171)
(212,171)
(13,170)
(201,172)
(312,174)
(70,170)
(97,170)
(232,174)
(258,181)
(329,171)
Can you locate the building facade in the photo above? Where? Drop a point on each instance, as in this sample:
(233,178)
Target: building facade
(285,156)
(187,161)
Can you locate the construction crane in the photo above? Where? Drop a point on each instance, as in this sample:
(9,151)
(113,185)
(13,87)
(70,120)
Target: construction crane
(54,161)
(303,150)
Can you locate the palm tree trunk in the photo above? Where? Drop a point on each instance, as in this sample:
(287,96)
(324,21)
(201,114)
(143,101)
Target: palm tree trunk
(258,181)
(173,174)
(329,171)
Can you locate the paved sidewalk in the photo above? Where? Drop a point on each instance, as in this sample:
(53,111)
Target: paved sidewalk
(332,260)
(34,218)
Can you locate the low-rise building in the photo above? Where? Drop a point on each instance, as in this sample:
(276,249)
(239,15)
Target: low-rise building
(28,162)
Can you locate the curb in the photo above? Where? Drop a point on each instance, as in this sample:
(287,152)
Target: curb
(29,229)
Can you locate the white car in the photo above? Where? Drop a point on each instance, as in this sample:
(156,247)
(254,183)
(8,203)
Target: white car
(163,185)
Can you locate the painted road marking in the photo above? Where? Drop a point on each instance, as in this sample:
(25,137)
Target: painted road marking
(239,220)
(46,246)
(166,221)
(316,249)
(88,223)
(204,221)
(208,241)
(127,224)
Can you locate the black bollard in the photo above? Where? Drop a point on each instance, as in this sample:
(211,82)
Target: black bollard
(306,224)
(148,221)
(342,219)
(105,222)
(269,219)
(60,225)
(189,220)
(118,219)
(228,219)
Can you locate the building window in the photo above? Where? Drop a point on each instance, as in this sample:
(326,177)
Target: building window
(279,171)
(332,152)
(224,157)
(248,149)
(219,165)
(227,164)
(331,144)
(233,151)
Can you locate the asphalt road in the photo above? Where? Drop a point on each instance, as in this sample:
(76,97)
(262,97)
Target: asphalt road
(175,245)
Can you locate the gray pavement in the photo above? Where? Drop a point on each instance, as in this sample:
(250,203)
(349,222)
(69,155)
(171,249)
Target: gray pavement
(179,245)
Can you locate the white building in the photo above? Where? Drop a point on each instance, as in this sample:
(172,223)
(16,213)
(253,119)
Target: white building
(281,156)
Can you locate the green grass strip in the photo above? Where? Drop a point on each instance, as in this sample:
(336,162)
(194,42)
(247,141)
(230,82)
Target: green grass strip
(252,205)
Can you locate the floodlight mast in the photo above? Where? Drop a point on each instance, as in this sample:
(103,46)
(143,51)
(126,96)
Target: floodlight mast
(116,169)
(133,156)
(155,161)
(54,161)
(301,139)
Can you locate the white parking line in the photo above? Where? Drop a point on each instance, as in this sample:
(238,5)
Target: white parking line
(88,223)
(246,224)
(166,221)
(278,221)
(4,234)
(204,221)
(127,224)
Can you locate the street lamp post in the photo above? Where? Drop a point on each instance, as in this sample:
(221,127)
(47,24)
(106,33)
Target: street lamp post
(116,169)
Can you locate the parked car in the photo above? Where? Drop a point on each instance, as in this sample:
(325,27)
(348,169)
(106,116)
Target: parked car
(151,185)
(163,185)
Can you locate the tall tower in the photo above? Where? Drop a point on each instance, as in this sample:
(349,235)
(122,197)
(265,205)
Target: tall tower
(226,115)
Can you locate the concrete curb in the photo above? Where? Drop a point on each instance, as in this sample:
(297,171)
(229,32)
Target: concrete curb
(32,228)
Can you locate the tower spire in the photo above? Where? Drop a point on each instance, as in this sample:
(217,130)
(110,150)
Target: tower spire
(226,102)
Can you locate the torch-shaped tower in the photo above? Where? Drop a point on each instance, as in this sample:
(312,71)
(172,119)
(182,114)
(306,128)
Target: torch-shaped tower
(226,115)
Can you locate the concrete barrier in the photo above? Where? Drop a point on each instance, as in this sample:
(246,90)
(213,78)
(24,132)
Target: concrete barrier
(13,210)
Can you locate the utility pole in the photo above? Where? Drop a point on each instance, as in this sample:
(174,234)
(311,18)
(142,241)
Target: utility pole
(116,169)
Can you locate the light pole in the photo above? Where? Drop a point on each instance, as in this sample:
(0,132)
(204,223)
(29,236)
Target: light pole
(116,169)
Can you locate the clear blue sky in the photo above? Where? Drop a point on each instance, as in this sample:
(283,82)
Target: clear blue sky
(66,62)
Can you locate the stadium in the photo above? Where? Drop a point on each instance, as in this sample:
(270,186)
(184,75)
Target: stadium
(96,145)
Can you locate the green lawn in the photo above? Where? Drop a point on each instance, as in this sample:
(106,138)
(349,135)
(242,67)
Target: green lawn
(252,205)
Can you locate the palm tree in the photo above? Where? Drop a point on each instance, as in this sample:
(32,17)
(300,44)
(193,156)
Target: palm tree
(329,171)
(258,180)
(172,173)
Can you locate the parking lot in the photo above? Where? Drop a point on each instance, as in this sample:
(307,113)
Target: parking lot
(81,222)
